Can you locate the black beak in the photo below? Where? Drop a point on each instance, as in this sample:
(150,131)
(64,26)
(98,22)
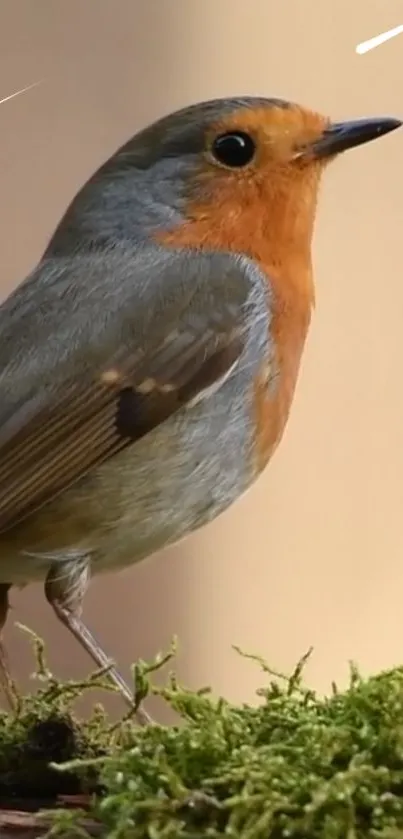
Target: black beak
(341,136)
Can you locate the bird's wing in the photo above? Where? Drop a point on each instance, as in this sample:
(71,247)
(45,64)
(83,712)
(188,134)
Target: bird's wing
(97,351)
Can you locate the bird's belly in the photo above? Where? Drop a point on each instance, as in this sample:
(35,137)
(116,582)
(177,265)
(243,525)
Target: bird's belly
(153,493)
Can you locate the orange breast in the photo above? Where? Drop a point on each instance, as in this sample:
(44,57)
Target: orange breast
(271,410)
(287,265)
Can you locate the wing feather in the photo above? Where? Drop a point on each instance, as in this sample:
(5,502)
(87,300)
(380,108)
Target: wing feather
(115,365)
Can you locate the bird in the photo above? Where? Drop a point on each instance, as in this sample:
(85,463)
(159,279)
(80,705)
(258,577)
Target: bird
(149,360)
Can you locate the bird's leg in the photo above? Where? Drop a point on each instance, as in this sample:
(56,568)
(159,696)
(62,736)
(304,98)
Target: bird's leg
(6,681)
(65,586)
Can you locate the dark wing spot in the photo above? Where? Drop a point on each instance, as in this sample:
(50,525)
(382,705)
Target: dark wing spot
(137,413)
(129,413)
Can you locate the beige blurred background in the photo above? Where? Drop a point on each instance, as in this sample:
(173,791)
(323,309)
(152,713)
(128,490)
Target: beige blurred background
(314,553)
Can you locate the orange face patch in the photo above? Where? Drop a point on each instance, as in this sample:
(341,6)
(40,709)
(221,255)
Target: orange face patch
(264,210)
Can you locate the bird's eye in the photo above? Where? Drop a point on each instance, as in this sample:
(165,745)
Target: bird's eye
(234,149)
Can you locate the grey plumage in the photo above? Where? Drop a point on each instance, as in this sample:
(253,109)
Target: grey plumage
(88,328)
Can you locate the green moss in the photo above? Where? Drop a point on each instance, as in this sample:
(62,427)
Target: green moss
(296,766)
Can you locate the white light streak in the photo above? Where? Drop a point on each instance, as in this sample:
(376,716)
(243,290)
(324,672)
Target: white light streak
(18,92)
(366,46)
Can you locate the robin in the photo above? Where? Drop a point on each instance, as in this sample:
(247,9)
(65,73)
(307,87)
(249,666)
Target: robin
(149,362)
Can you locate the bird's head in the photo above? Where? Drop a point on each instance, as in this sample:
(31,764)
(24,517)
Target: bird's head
(253,166)
(243,173)
(239,174)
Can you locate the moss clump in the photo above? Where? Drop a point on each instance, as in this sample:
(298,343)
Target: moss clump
(43,731)
(296,766)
